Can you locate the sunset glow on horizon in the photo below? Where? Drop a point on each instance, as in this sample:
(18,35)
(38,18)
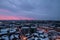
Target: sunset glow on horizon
(11,17)
(3,17)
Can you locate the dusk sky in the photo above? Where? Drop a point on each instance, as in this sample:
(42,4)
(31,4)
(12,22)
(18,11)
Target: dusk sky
(30,9)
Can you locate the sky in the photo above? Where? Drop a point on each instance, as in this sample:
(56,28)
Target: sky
(30,9)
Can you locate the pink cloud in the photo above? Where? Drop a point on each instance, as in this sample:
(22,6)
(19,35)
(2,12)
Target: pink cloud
(4,10)
(3,17)
(6,17)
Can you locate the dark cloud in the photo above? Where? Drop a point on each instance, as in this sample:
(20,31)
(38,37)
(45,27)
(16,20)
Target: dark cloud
(38,9)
